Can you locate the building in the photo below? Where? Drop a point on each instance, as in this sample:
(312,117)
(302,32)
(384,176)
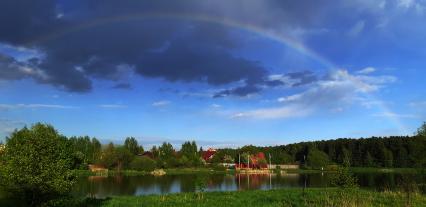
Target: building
(2,147)
(257,161)
(209,154)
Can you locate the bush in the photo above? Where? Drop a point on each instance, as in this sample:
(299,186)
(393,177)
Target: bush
(143,163)
(344,179)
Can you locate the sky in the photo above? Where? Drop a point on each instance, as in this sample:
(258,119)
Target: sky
(224,73)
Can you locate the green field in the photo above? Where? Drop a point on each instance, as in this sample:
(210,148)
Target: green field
(283,197)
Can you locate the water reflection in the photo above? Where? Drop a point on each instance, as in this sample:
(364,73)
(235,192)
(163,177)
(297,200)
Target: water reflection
(99,186)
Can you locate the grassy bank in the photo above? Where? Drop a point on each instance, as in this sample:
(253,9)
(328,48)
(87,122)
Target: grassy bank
(283,197)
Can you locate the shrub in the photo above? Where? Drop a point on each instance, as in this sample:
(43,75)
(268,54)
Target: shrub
(143,163)
(344,179)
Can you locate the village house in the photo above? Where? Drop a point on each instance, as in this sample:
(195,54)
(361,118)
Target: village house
(209,154)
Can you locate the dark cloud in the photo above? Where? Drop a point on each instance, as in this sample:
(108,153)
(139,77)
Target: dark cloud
(122,86)
(238,91)
(85,40)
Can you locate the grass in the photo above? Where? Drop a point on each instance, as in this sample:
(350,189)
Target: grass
(282,197)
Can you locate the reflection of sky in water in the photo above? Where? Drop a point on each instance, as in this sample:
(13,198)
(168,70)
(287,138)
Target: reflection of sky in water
(145,185)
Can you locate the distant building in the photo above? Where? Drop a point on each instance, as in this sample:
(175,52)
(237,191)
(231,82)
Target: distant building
(2,147)
(257,161)
(147,154)
(209,154)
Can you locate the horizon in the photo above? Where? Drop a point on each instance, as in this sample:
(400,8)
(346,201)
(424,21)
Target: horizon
(213,72)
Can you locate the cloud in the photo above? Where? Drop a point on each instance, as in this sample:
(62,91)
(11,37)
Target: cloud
(367,70)
(34,106)
(122,86)
(215,106)
(274,113)
(113,106)
(337,91)
(356,29)
(160,103)
(396,115)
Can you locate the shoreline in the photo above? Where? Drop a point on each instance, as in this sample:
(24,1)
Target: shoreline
(180,171)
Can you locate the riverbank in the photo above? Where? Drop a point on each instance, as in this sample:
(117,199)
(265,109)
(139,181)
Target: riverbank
(282,197)
(180,171)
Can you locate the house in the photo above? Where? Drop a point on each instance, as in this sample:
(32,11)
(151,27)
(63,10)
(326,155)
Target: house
(257,161)
(147,154)
(209,154)
(2,148)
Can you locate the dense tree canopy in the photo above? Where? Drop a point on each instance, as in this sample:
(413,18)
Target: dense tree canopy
(37,164)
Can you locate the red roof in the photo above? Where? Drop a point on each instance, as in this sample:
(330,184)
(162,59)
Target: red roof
(207,155)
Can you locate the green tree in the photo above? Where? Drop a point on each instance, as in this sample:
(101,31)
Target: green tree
(108,156)
(143,163)
(388,158)
(122,158)
(317,159)
(369,161)
(422,130)
(37,164)
(131,144)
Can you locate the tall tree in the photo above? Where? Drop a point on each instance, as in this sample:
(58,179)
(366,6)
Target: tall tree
(37,164)
(131,144)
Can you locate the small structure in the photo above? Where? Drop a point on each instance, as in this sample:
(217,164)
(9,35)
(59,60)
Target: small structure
(2,148)
(209,154)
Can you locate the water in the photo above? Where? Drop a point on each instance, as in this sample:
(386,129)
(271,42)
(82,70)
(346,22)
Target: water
(100,187)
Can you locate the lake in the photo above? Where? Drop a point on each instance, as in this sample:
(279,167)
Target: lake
(100,187)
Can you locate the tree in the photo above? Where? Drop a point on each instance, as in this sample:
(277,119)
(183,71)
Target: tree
(317,159)
(131,144)
(422,130)
(369,162)
(122,158)
(166,150)
(37,164)
(108,156)
(143,163)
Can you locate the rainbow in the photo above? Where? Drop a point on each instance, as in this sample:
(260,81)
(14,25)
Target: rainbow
(267,33)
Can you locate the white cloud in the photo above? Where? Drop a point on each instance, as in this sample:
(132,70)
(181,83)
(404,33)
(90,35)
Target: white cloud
(274,113)
(366,70)
(215,106)
(34,106)
(112,106)
(339,90)
(406,3)
(395,115)
(356,29)
(160,103)
(418,104)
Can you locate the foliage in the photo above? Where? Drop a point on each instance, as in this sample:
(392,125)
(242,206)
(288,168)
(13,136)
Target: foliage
(143,163)
(422,130)
(344,179)
(122,158)
(317,159)
(37,164)
(131,144)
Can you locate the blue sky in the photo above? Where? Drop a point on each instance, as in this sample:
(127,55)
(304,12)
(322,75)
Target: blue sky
(223,73)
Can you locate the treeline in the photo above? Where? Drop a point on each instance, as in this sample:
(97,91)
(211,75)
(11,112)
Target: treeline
(407,151)
(131,155)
